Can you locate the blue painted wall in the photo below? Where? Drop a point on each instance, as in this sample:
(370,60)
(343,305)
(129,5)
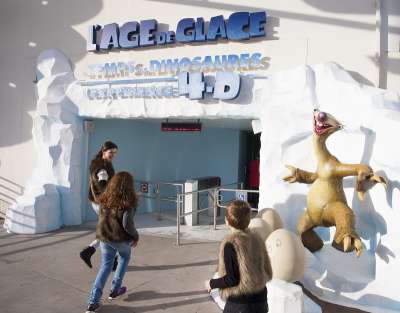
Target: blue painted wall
(153,155)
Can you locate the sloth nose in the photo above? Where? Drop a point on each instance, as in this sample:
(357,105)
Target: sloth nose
(322,116)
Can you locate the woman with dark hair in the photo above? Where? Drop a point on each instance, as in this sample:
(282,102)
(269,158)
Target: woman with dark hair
(117,234)
(101,171)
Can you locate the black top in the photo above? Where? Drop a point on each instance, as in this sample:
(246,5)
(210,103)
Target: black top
(232,278)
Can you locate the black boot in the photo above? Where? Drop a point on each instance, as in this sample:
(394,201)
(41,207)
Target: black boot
(115,264)
(86,254)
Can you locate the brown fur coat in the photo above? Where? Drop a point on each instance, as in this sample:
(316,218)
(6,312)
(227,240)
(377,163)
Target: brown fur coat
(254,264)
(95,187)
(110,226)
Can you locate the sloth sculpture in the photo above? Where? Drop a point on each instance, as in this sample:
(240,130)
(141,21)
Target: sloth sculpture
(326,200)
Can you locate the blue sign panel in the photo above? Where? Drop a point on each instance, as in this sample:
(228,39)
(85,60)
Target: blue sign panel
(131,35)
(193,85)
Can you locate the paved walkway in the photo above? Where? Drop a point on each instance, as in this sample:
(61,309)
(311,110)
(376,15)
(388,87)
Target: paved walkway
(43,273)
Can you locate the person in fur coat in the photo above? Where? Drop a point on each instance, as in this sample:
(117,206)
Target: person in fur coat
(117,234)
(101,171)
(244,266)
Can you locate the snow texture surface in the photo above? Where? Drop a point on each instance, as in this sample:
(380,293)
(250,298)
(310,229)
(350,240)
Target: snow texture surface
(372,121)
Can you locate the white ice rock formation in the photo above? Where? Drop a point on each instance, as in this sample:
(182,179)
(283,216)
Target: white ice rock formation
(52,196)
(372,121)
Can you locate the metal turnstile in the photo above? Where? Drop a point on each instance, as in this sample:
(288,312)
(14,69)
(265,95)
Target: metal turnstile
(192,201)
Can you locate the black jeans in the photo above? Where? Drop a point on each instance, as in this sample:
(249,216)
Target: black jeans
(258,307)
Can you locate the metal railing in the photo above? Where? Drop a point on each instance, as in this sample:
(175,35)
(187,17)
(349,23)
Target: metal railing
(160,198)
(181,213)
(9,192)
(217,204)
(156,194)
(221,205)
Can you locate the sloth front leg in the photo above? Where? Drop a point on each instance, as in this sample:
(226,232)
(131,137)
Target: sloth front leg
(299,175)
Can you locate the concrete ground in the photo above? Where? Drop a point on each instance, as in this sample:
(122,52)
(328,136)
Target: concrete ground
(43,273)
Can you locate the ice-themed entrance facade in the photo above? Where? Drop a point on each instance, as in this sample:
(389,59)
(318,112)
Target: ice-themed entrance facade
(281,107)
(55,192)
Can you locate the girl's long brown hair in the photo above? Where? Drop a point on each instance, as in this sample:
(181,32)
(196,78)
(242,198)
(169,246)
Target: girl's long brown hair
(120,193)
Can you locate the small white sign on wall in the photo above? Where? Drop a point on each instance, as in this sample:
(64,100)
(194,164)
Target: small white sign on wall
(241,195)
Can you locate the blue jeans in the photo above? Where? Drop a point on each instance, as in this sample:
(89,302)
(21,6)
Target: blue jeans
(108,252)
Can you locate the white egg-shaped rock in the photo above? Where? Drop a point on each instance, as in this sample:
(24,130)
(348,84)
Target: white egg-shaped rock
(271,216)
(259,226)
(287,255)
